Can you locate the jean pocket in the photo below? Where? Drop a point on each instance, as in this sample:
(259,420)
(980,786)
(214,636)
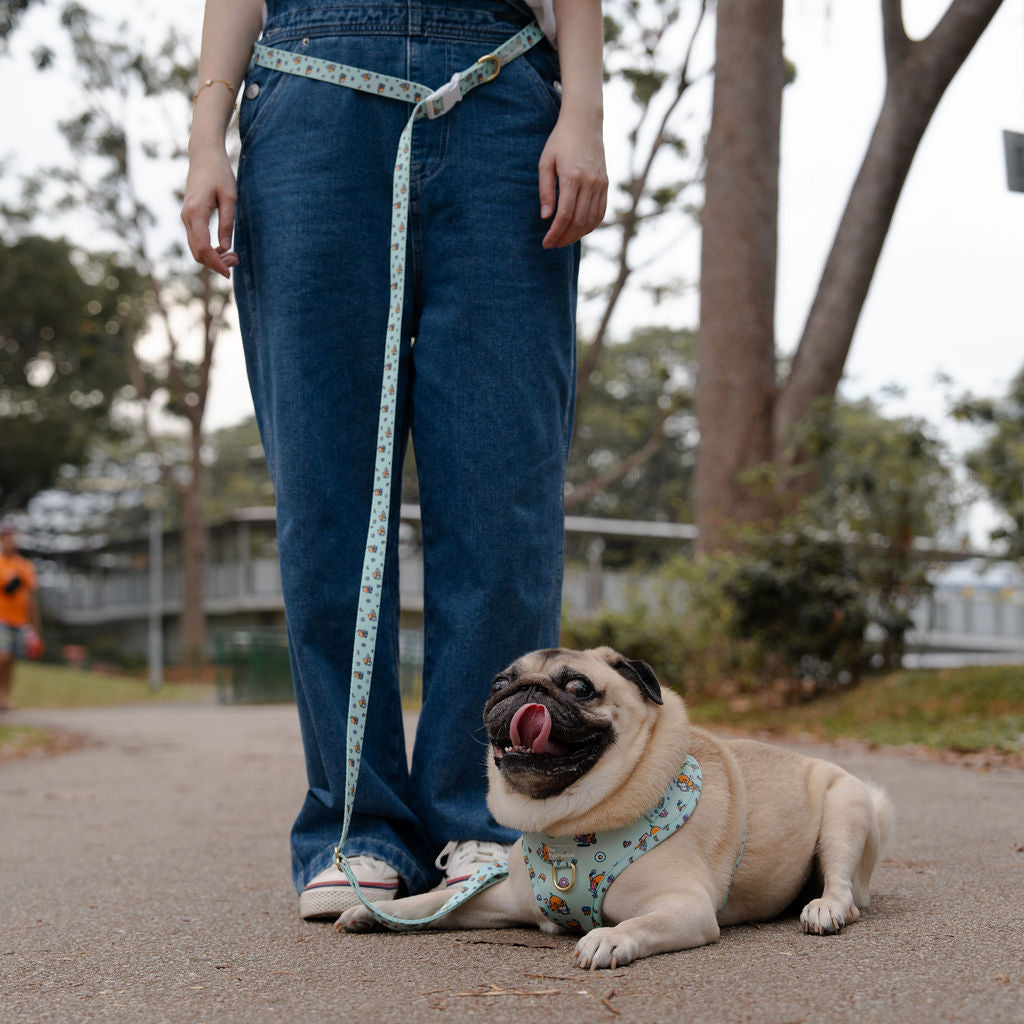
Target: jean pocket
(541,71)
(260,94)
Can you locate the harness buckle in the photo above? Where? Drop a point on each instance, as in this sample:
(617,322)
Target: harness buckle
(494,59)
(440,101)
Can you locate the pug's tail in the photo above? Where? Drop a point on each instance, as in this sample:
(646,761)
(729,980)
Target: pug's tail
(884,813)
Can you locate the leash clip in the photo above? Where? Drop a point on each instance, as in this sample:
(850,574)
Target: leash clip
(440,101)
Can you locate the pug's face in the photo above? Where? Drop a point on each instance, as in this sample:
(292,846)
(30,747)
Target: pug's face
(553,714)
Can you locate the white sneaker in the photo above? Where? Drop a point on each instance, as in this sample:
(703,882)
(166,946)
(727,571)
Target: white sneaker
(330,892)
(461,857)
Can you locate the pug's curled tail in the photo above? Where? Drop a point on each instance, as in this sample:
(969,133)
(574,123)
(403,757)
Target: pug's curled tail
(885,813)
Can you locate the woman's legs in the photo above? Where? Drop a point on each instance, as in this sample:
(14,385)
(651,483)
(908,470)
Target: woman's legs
(313,296)
(494,376)
(488,390)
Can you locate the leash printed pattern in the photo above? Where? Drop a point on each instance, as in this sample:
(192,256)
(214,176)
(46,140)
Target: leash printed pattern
(427,103)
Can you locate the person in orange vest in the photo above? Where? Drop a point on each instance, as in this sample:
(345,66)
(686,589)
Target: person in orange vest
(19,612)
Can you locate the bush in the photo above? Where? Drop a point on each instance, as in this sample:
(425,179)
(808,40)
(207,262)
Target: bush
(790,617)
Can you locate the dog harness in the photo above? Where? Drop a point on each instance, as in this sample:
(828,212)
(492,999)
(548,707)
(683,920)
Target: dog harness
(430,103)
(570,875)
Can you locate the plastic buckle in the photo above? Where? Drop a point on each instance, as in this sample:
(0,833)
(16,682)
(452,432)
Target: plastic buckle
(440,101)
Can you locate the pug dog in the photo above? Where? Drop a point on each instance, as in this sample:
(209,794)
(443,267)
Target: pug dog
(584,744)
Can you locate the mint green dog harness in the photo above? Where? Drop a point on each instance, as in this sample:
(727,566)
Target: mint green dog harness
(571,874)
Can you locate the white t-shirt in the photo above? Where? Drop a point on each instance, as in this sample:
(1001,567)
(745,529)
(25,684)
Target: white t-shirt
(544,12)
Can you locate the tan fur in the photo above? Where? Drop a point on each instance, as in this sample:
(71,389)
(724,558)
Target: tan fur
(799,814)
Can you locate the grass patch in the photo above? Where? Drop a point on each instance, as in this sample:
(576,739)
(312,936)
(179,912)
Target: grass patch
(964,709)
(17,741)
(53,686)
(22,741)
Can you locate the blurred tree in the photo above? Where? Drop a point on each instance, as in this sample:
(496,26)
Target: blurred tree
(126,129)
(649,55)
(637,426)
(877,484)
(236,470)
(107,496)
(998,462)
(819,597)
(67,318)
(10,13)
(747,418)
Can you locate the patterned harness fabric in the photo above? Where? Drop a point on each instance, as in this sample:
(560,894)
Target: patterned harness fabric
(570,875)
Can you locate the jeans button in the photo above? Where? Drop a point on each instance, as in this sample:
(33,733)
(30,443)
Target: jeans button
(252,91)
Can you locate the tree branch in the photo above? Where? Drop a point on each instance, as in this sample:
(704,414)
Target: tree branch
(630,219)
(910,100)
(895,41)
(595,485)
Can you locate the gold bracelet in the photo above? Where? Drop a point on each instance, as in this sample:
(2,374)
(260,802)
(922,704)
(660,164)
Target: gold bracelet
(212,81)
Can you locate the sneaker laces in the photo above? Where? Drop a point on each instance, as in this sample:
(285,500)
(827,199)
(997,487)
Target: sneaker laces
(463,856)
(371,869)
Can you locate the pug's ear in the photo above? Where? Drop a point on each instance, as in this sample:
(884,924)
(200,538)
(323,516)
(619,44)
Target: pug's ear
(642,674)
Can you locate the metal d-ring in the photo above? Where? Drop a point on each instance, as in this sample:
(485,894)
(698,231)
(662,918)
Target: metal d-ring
(494,59)
(558,881)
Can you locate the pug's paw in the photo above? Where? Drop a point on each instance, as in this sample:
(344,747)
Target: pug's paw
(605,948)
(356,919)
(827,917)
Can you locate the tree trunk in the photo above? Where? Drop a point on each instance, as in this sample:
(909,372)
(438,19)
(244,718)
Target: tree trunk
(193,528)
(918,74)
(736,346)
(193,542)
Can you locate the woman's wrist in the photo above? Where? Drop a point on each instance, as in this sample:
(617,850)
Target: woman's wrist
(209,128)
(586,109)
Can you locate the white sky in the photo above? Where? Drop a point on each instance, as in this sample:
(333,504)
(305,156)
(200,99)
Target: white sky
(946,297)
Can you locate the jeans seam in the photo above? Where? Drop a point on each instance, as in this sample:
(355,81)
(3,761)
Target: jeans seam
(275,37)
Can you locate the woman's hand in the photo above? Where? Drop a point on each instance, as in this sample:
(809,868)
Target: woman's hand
(210,187)
(574,160)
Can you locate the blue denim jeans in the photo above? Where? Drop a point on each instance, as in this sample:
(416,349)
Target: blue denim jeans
(486,391)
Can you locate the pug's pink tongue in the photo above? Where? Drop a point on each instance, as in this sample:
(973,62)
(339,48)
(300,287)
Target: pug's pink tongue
(531,728)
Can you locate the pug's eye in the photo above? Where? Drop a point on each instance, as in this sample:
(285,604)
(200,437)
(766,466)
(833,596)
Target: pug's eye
(579,688)
(500,682)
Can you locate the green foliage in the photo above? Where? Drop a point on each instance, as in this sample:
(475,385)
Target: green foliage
(818,599)
(965,709)
(998,462)
(641,392)
(236,470)
(66,319)
(684,629)
(804,603)
(108,497)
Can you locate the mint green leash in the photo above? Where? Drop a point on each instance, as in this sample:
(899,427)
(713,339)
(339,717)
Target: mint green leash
(431,104)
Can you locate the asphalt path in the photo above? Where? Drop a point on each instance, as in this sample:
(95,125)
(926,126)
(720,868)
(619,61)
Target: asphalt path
(144,877)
